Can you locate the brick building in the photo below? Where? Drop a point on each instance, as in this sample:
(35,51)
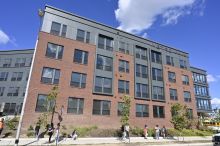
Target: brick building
(94,65)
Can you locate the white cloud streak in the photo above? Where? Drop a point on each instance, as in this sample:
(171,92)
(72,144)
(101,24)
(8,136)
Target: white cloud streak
(135,16)
(4,38)
(213,78)
(215,102)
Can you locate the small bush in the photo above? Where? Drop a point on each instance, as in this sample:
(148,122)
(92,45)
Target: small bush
(30,133)
(30,128)
(137,131)
(151,132)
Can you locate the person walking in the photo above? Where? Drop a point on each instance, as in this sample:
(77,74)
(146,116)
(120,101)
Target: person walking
(1,125)
(127,131)
(145,131)
(157,132)
(57,133)
(74,135)
(50,132)
(164,132)
(37,130)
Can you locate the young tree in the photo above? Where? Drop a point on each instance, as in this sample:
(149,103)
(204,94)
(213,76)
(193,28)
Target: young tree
(126,109)
(50,106)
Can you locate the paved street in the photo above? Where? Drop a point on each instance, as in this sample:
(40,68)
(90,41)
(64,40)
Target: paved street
(112,141)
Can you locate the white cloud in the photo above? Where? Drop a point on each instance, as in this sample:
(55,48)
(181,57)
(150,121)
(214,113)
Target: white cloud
(137,15)
(212,78)
(4,38)
(144,35)
(215,103)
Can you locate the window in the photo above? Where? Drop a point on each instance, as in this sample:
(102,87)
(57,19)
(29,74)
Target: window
(142,110)
(183,64)
(80,56)
(50,75)
(173,94)
(158,93)
(203,104)
(190,113)
(200,78)
(9,108)
(13,91)
(103,85)
(185,80)
(101,107)
(75,105)
(141,71)
(142,91)
(7,62)
(201,90)
(141,53)
(3,76)
(54,51)
(20,62)
(123,86)
(55,28)
(169,60)
(104,63)
(27,76)
(2,89)
(83,36)
(157,74)
(43,104)
(78,80)
(124,47)
(120,107)
(123,66)
(156,57)
(172,77)
(17,76)
(187,96)
(63,33)
(105,42)
(158,111)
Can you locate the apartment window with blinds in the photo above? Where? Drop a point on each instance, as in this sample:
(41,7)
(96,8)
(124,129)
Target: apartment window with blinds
(105,42)
(78,80)
(13,91)
(141,71)
(123,66)
(141,53)
(80,56)
(185,80)
(156,57)
(173,94)
(103,85)
(172,77)
(124,47)
(75,105)
(142,91)
(120,107)
(123,86)
(3,76)
(43,104)
(57,30)
(54,51)
(83,36)
(157,74)
(101,107)
(182,64)
(50,75)
(104,63)
(158,93)
(20,62)
(187,96)
(169,60)
(17,76)
(7,62)
(158,111)
(142,110)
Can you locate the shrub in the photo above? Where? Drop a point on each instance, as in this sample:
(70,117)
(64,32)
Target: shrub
(30,133)
(151,132)
(30,128)
(11,124)
(136,131)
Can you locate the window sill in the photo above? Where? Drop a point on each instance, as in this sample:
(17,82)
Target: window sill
(80,63)
(158,100)
(139,98)
(53,58)
(100,93)
(77,87)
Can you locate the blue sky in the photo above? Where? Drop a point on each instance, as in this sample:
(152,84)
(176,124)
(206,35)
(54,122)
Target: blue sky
(189,25)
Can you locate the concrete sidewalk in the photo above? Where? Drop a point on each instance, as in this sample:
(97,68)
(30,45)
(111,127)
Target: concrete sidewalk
(108,140)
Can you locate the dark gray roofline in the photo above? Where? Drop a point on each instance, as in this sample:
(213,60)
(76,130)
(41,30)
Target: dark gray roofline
(63,11)
(15,50)
(198,68)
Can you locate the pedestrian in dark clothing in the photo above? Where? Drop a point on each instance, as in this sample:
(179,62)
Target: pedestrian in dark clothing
(164,132)
(37,130)
(50,132)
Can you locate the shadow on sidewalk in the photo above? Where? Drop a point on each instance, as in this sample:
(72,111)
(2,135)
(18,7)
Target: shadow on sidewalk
(30,143)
